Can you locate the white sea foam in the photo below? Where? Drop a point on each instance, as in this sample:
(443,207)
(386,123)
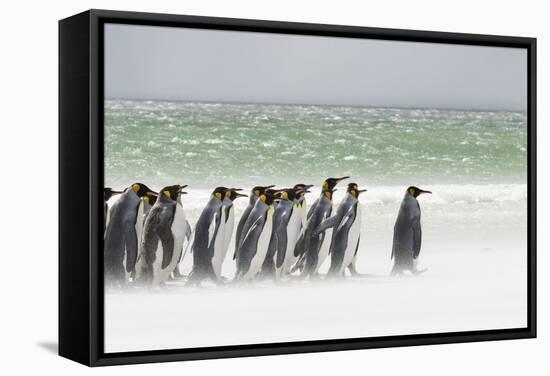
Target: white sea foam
(441,194)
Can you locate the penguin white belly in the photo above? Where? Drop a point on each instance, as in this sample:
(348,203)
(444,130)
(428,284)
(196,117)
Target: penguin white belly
(157,264)
(353,238)
(179,229)
(139,226)
(325,247)
(292,232)
(261,247)
(304,213)
(219,243)
(227,234)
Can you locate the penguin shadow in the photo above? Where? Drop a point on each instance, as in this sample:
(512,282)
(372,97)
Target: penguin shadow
(50,347)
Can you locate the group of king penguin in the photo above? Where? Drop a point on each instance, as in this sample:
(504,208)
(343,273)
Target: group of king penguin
(276,237)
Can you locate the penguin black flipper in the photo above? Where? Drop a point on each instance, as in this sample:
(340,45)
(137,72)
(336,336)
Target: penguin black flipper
(394,244)
(249,237)
(417,236)
(357,246)
(326,224)
(131,242)
(268,267)
(240,226)
(282,241)
(299,248)
(167,241)
(312,209)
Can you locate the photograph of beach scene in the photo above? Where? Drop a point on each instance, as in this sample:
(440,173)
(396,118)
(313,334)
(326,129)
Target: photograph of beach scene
(264,188)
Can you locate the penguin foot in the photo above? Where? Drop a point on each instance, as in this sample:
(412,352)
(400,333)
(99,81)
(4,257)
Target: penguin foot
(176,275)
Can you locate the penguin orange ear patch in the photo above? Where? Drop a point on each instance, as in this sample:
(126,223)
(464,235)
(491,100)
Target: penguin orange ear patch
(228,194)
(411,191)
(166,193)
(257,192)
(325,185)
(218,195)
(263,198)
(135,187)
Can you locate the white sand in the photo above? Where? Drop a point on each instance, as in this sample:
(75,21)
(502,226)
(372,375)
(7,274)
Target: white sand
(489,292)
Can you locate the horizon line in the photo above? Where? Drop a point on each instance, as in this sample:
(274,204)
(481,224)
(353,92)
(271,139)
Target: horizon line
(318,105)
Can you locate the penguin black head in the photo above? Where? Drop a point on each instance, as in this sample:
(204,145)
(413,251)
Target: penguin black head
(269,196)
(232,193)
(352,186)
(108,193)
(219,193)
(150,199)
(332,182)
(173,191)
(415,191)
(287,194)
(328,193)
(355,192)
(141,189)
(259,190)
(301,189)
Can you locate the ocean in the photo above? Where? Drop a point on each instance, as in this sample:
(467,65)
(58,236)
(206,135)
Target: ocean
(209,144)
(474,224)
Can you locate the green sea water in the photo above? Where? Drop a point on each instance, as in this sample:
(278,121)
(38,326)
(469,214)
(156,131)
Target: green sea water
(209,144)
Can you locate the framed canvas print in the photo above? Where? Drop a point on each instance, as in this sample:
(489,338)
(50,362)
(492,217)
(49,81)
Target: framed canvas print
(254,187)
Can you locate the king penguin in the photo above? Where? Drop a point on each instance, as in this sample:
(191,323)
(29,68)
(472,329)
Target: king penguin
(287,223)
(187,231)
(120,244)
(311,248)
(208,238)
(163,235)
(284,207)
(300,223)
(229,217)
(254,196)
(256,235)
(407,233)
(346,228)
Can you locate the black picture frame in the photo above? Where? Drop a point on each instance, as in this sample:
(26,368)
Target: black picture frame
(81,169)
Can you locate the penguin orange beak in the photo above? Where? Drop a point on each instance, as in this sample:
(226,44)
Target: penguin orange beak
(240,194)
(113,193)
(421,192)
(152,194)
(362,190)
(338,180)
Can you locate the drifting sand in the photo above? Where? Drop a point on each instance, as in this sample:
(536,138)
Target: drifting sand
(476,280)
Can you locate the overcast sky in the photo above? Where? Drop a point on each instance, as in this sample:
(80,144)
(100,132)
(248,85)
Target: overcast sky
(164,63)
